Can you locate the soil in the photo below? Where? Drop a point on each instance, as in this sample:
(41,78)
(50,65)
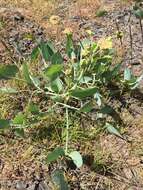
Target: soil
(119,163)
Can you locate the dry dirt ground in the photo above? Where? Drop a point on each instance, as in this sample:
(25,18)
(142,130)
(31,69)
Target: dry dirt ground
(118,163)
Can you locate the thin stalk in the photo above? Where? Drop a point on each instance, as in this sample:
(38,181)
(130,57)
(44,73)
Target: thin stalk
(119,32)
(79,78)
(67,131)
(141,26)
(67,2)
(131,41)
(67,106)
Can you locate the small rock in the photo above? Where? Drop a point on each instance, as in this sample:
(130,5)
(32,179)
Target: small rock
(133,161)
(18,17)
(128,173)
(2,48)
(20,185)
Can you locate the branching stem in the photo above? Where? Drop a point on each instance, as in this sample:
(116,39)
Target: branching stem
(67,130)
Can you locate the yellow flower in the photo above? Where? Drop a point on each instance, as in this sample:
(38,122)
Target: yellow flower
(54,19)
(68,31)
(89,32)
(105,43)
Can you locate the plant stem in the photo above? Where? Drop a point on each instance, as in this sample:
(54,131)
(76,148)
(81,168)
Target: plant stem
(79,78)
(67,130)
(141,28)
(67,106)
(131,41)
(118,30)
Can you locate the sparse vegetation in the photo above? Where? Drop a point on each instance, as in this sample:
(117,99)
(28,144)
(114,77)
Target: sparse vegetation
(63,99)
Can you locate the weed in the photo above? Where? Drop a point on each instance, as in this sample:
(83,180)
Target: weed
(2,24)
(79,81)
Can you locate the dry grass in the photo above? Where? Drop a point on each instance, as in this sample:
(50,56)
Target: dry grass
(85,8)
(40,9)
(36,8)
(122,154)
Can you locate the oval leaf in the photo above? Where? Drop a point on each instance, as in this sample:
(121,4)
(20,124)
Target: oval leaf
(53,71)
(53,156)
(107,110)
(19,119)
(112,130)
(83,93)
(35,81)
(139,13)
(35,53)
(69,45)
(56,85)
(4,124)
(26,74)
(8,71)
(33,108)
(47,50)
(97,97)
(127,74)
(59,180)
(57,58)
(77,158)
(87,107)
(19,132)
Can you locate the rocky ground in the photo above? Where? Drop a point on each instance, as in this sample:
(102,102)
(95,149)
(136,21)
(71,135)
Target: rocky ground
(119,163)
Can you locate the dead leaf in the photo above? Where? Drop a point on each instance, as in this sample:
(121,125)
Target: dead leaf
(27,153)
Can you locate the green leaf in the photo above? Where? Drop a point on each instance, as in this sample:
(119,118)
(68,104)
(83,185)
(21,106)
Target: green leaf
(44,51)
(35,81)
(53,156)
(97,97)
(51,49)
(8,71)
(59,180)
(137,83)
(101,13)
(127,74)
(56,85)
(115,70)
(56,58)
(26,73)
(35,53)
(4,124)
(77,158)
(53,71)
(138,13)
(83,93)
(77,52)
(85,80)
(19,132)
(33,108)
(107,110)
(86,108)
(19,119)
(69,45)
(86,43)
(57,98)
(112,130)
(8,90)
(47,50)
